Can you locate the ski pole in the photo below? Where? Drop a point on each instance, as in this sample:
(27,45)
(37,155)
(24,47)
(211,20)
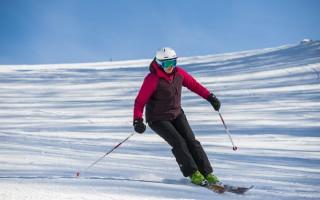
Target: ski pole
(111,150)
(227,131)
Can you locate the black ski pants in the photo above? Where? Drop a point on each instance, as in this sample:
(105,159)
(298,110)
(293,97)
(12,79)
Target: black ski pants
(188,151)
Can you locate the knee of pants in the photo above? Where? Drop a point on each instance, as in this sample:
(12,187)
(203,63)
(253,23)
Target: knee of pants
(179,145)
(193,143)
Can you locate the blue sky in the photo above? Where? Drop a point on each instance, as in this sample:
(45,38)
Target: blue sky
(67,31)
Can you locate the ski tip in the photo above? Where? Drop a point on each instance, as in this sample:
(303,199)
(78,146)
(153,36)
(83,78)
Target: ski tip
(244,190)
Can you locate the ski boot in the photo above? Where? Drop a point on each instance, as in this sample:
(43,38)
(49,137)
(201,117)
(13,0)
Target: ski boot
(198,179)
(212,179)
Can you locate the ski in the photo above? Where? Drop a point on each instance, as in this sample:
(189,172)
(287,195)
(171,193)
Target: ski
(221,188)
(216,188)
(237,189)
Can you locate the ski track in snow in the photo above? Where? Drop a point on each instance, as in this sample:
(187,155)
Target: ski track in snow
(58,119)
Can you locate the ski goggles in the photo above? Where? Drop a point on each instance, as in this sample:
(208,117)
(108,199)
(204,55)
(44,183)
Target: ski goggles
(168,63)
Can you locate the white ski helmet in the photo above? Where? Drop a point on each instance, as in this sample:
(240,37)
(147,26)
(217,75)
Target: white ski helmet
(165,53)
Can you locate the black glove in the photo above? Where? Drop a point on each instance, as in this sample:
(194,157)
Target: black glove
(139,126)
(214,102)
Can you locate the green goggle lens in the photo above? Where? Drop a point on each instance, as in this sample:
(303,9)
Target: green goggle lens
(169,63)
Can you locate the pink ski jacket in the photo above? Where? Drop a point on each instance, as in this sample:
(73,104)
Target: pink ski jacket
(161,93)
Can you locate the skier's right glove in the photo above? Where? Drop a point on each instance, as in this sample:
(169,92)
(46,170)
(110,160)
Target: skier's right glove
(139,126)
(214,102)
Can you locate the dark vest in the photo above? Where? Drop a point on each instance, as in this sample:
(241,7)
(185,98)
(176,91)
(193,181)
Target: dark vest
(165,103)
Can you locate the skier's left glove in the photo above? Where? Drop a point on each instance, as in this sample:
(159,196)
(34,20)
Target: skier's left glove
(214,102)
(139,126)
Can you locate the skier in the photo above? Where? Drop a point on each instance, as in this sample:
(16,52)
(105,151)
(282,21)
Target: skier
(161,94)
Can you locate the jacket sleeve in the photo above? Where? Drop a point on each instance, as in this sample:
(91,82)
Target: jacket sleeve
(193,85)
(148,87)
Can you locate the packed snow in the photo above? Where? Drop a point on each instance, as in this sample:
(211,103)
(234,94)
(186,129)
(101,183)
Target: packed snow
(56,120)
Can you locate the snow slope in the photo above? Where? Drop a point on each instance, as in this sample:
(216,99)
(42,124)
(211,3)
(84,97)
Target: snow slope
(58,119)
